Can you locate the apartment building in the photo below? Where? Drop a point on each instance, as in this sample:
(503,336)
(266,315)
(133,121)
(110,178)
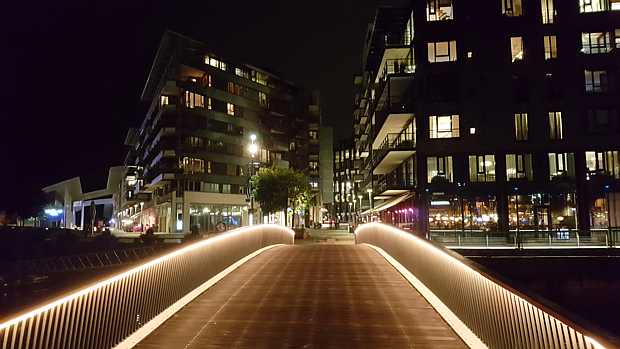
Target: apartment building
(190,160)
(347,178)
(491,115)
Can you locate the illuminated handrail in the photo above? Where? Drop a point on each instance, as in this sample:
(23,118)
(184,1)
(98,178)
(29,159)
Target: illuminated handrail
(102,315)
(495,310)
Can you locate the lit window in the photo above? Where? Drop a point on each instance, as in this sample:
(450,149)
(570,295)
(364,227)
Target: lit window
(617,38)
(439,169)
(164,100)
(516,48)
(548,11)
(209,101)
(593,43)
(242,73)
(551,49)
(555,125)
(192,165)
(604,163)
(235,89)
(482,168)
(444,126)
(214,62)
(472,130)
(512,8)
(263,99)
(444,51)
(592,5)
(194,100)
(230,108)
(519,166)
(521,128)
(439,10)
(561,165)
(259,78)
(469,54)
(597,81)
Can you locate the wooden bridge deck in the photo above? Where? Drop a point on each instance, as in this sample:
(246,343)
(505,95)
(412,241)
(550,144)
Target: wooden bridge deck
(321,296)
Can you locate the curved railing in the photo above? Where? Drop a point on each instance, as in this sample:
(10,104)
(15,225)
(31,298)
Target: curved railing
(491,307)
(104,314)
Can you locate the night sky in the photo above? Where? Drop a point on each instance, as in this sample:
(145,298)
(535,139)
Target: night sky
(73,71)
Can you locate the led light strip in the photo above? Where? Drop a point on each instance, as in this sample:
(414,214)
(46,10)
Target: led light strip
(137,269)
(445,255)
(157,321)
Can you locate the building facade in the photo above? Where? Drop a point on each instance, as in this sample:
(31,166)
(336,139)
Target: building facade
(190,160)
(492,115)
(348,199)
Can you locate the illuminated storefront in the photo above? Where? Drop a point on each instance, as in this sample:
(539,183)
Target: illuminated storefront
(451,212)
(215,218)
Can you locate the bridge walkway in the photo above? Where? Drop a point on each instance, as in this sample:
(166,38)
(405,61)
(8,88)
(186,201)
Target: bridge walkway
(317,296)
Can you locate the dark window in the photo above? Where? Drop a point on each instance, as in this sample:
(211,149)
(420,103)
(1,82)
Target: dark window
(519,88)
(554,88)
(603,121)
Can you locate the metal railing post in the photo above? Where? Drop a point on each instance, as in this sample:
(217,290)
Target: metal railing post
(578,244)
(487,240)
(549,240)
(459,241)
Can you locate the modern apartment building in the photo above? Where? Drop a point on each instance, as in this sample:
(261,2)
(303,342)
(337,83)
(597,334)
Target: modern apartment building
(190,160)
(347,179)
(492,115)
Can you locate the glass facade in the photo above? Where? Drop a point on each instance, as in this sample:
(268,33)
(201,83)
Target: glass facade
(215,218)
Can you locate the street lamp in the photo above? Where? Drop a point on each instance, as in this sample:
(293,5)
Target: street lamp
(360,197)
(370,199)
(253,150)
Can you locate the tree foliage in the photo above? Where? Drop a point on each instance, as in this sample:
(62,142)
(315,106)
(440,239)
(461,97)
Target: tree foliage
(273,187)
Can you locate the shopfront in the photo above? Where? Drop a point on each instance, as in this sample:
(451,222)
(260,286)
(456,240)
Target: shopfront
(453,212)
(215,218)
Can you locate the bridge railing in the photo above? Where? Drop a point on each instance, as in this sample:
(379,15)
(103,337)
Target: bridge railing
(500,314)
(102,315)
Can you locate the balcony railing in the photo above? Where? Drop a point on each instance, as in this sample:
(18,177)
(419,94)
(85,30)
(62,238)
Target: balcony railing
(393,141)
(393,105)
(397,66)
(395,182)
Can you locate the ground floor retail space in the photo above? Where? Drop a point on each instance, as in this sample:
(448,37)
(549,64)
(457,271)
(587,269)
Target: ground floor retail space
(519,211)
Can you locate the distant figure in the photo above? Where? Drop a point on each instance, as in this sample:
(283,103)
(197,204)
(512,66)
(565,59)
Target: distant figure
(195,231)
(149,231)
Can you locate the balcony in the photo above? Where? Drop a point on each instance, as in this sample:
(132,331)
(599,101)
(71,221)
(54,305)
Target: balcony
(395,148)
(392,184)
(393,75)
(391,117)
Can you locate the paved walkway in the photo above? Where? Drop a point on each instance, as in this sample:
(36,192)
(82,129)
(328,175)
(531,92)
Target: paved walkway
(313,296)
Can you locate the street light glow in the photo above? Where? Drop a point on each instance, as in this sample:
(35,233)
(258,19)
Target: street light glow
(253,138)
(253,149)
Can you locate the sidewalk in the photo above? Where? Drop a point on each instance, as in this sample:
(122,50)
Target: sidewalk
(327,236)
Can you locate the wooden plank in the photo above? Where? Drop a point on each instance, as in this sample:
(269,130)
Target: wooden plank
(314,296)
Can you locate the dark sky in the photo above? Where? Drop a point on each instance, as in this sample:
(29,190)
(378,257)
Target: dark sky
(72,72)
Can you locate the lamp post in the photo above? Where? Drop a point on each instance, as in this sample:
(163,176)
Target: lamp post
(253,150)
(370,198)
(360,197)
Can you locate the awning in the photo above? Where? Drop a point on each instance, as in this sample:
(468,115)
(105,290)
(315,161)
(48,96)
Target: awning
(389,203)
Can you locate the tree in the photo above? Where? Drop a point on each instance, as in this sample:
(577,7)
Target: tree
(273,187)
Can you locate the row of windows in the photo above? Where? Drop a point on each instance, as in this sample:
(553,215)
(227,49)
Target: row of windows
(213,187)
(482,168)
(442,10)
(195,166)
(447,126)
(592,43)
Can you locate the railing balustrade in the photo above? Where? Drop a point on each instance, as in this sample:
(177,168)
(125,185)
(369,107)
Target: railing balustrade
(102,315)
(498,312)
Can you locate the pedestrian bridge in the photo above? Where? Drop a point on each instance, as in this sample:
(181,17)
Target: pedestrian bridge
(254,288)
